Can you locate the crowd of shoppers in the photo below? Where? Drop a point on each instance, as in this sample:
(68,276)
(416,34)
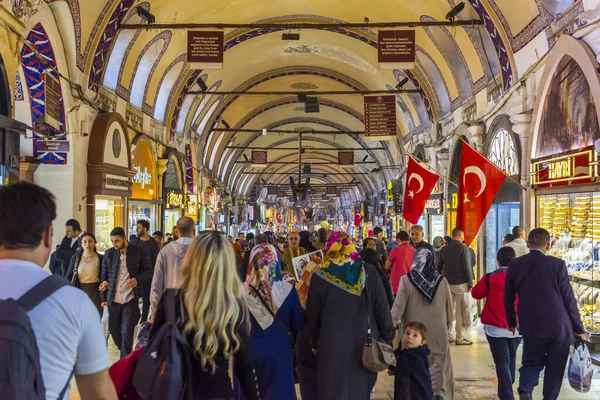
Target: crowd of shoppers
(275,322)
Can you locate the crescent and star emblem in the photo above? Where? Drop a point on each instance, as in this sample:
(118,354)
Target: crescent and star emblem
(477,171)
(419,179)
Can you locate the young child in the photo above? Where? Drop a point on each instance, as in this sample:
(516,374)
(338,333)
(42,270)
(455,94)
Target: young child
(412,380)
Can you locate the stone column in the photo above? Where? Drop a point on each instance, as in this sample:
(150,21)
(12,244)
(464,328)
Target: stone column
(522,127)
(161,168)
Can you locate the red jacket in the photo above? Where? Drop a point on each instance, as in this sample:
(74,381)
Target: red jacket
(493,312)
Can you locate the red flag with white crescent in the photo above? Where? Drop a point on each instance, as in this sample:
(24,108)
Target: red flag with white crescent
(358,218)
(418,187)
(479,183)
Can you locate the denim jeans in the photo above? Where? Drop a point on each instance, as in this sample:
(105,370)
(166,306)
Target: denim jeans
(504,352)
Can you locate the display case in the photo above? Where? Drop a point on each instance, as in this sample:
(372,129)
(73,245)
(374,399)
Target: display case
(573,221)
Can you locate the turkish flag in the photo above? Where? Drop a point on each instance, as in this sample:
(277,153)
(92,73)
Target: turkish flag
(358,218)
(419,185)
(479,183)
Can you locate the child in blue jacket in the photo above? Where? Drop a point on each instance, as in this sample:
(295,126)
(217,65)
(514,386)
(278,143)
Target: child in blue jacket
(412,380)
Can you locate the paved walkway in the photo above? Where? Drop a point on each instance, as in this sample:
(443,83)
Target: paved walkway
(474,375)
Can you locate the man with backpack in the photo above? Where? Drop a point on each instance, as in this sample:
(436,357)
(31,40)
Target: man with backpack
(37,307)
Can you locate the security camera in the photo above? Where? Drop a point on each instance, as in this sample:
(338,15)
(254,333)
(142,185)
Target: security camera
(455,11)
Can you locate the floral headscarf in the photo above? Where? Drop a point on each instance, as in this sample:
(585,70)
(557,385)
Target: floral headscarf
(342,265)
(264,276)
(265,257)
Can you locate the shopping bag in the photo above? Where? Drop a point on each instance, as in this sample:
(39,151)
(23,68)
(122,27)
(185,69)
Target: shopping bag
(142,335)
(105,323)
(472,315)
(580,367)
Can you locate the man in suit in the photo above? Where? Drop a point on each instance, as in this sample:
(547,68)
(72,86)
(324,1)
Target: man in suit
(69,245)
(124,268)
(548,315)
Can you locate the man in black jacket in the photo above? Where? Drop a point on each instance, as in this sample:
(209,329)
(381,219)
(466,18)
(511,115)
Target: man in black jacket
(124,268)
(147,243)
(69,245)
(455,264)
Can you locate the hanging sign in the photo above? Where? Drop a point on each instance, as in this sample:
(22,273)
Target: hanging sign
(380,117)
(396,49)
(331,190)
(52,146)
(572,168)
(345,158)
(52,100)
(205,49)
(259,158)
(272,190)
(116,182)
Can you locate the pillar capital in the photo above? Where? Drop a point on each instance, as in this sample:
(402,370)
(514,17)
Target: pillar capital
(522,123)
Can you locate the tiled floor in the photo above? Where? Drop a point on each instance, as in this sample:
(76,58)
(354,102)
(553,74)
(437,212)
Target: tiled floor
(474,375)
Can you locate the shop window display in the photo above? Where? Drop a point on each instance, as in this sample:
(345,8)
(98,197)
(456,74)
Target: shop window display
(108,216)
(573,221)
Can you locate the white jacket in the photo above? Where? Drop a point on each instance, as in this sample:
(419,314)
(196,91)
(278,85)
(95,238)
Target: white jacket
(167,271)
(520,247)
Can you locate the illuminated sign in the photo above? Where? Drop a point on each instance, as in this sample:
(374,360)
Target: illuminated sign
(173,200)
(572,168)
(143,177)
(433,203)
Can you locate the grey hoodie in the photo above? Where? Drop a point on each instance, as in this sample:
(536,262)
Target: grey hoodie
(167,272)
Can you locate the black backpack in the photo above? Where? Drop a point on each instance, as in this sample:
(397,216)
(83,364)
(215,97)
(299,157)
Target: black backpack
(163,367)
(20,372)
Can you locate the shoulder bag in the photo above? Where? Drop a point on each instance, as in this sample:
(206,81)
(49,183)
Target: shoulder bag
(376,355)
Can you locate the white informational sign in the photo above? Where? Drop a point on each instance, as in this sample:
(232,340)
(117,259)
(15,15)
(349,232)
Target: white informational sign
(301,262)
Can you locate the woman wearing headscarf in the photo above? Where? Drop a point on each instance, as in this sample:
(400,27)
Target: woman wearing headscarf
(305,242)
(275,313)
(369,256)
(424,296)
(342,291)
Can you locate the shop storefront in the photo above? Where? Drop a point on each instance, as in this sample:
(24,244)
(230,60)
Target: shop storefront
(172,194)
(10,131)
(109,177)
(142,205)
(503,150)
(565,172)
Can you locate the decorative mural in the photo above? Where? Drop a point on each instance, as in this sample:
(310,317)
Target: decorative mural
(569,119)
(34,69)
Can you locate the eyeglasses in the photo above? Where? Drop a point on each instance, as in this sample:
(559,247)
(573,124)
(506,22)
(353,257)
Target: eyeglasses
(293,239)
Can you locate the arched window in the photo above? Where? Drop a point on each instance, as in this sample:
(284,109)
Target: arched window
(117,54)
(503,152)
(215,150)
(165,89)
(142,74)
(209,114)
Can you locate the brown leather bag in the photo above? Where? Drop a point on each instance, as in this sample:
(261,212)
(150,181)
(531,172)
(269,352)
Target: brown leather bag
(376,356)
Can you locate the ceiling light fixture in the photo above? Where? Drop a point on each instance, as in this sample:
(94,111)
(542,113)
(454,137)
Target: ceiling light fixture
(201,84)
(401,84)
(290,36)
(365,158)
(245,156)
(452,14)
(302,98)
(376,170)
(264,132)
(225,124)
(145,15)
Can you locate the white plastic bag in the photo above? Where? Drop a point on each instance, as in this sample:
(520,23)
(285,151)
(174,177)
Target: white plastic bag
(472,320)
(105,323)
(580,367)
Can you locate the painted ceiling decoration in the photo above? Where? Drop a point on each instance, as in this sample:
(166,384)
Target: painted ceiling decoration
(148,69)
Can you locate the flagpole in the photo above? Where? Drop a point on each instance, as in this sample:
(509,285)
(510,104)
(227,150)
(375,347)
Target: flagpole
(430,168)
(498,168)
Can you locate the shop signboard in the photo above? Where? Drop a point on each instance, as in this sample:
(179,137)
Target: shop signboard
(396,49)
(259,158)
(569,168)
(205,49)
(345,158)
(434,204)
(174,200)
(116,182)
(52,146)
(380,117)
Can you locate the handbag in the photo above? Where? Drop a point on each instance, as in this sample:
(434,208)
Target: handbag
(376,355)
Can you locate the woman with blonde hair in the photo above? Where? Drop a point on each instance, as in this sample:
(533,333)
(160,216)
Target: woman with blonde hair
(213,319)
(276,314)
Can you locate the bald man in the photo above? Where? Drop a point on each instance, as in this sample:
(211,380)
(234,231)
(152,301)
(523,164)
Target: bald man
(294,250)
(167,272)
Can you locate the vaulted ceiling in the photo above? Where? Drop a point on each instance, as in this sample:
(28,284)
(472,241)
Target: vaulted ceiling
(148,68)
